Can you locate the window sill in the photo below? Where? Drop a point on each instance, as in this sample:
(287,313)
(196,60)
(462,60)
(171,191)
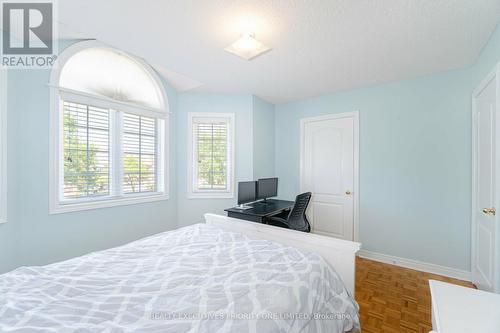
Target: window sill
(208,195)
(60,208)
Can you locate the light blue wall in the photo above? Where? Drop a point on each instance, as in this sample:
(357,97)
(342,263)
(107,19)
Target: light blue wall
(191,210)
(415,160)
(32,236)
(9,236)
(263,139)
(415,167)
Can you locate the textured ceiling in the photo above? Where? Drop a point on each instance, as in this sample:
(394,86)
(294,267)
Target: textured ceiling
(319,46)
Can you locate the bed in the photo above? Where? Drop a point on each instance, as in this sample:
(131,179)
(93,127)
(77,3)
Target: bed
(222,276)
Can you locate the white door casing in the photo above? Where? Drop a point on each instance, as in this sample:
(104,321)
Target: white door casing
(486,154)
(329,159)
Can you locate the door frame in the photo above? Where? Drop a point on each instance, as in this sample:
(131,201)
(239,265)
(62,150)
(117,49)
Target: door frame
(3,145)
(493,75)
(355,116)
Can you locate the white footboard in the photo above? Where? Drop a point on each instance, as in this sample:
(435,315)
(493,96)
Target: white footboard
(339,253)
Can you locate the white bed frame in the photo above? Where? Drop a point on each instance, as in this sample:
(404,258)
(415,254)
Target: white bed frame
(339,253)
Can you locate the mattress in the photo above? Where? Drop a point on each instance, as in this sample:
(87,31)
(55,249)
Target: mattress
(195,279)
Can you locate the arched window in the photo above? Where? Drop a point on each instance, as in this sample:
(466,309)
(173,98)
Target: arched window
(109,130)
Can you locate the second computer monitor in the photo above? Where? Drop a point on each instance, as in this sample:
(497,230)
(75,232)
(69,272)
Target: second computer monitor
(247,192)
(267,188)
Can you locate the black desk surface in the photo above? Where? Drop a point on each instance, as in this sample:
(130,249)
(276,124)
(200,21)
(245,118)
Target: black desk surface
(262,209)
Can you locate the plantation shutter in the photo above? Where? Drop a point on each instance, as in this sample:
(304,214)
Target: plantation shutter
(211,157)
(139,154)
(86,151)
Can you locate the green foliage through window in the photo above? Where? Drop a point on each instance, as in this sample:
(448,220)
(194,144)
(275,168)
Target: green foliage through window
(139,145)
(212,155)
(86,151)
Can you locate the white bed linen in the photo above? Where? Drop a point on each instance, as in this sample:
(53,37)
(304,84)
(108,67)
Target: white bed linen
(195,279)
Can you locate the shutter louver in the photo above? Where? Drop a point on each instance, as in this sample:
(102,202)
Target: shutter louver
(139,154)
(86,151)
(211,159)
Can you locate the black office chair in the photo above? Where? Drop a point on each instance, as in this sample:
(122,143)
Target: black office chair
(297,219)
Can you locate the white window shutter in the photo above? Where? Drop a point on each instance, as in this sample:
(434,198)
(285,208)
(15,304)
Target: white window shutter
(86,151)
(140,154)
(211,155)
(109,154)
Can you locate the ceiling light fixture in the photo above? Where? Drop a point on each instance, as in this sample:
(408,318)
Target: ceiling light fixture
(247,47)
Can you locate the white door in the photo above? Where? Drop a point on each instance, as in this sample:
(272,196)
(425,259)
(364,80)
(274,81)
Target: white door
(329,170)
(485,221)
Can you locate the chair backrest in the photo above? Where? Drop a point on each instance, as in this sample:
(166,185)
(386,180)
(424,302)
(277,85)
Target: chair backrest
(297,218)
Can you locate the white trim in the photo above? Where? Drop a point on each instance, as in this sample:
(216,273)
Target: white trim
(108,103)
(57,206)
(493,75)
(3,146)
(339,253)
(355,116)
(210,194)
(416,265)
(496,254)
(474,170)
(107,203)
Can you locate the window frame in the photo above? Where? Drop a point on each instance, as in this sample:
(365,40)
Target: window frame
(193,193)
(3,146)
(56,164)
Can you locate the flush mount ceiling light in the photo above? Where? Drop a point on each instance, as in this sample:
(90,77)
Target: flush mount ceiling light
(247,47)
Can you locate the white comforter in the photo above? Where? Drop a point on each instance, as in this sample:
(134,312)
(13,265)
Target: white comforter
(195,279)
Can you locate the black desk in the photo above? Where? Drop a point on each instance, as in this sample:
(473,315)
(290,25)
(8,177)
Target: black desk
(259,210)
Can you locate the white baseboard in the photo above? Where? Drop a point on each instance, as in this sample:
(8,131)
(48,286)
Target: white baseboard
(416,265)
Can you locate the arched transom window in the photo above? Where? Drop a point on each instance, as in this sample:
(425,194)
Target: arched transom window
(111,122)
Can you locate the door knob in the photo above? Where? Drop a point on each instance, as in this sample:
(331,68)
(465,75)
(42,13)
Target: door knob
(489,211)
(348,192)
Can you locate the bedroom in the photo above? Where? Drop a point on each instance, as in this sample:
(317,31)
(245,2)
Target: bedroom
(408,75)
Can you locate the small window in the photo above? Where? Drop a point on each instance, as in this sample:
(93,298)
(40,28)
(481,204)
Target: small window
(109,126)
(211,155)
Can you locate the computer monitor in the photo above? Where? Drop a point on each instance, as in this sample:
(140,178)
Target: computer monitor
(247,192)
(267,188)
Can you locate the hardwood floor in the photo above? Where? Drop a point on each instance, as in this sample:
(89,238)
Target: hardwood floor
(395,299)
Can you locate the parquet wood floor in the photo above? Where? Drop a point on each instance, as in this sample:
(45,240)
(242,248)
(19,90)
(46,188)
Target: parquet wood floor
(393,299)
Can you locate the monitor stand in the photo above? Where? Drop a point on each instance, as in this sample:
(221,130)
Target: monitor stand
(243,207)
